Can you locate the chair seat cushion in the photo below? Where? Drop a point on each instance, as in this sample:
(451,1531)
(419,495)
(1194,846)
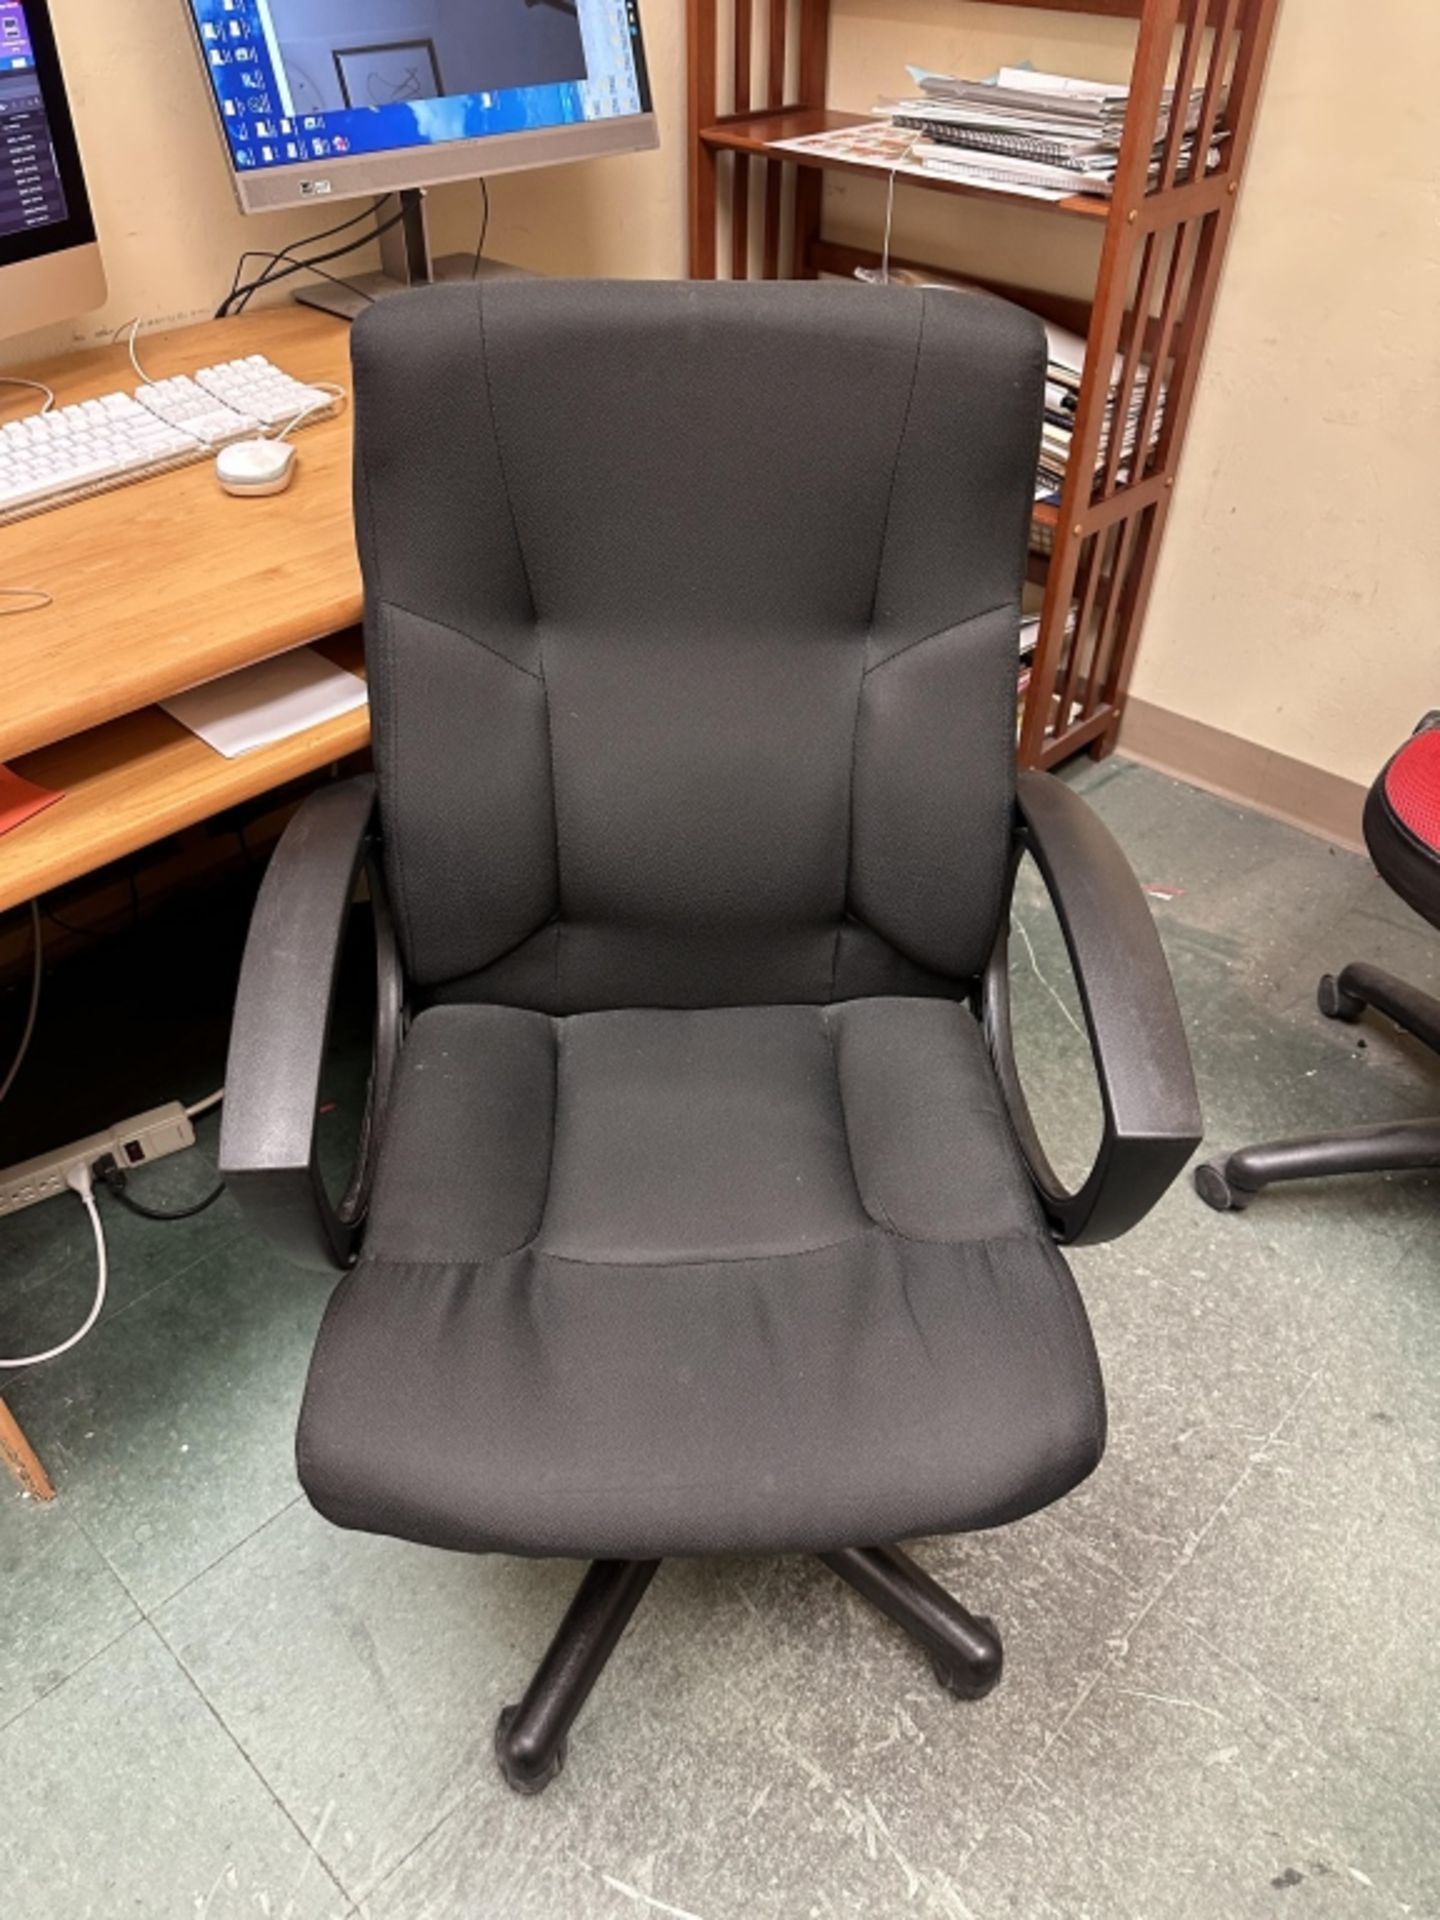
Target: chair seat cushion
(1402,821)
(662,1282)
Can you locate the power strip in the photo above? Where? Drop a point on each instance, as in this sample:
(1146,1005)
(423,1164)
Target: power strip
(134,1143)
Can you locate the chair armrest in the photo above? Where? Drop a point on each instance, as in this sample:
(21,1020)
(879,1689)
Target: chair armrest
(282,1022)
(1152,1118)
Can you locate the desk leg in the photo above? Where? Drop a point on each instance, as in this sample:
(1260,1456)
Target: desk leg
(20,1457)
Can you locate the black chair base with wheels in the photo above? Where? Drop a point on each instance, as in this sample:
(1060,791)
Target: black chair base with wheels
(530,1737)
(707,1214)
(1402,830)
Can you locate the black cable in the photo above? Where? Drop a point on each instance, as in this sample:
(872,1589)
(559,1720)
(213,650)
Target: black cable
(271,278)
(335,279)
(37,971)
(112,1178)
(315,261)
(484,230)
(310,240)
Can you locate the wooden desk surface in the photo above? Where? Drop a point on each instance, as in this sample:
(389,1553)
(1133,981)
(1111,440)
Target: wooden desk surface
(167,582)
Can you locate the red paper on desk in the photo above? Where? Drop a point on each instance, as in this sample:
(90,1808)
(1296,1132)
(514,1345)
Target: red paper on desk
(19,799)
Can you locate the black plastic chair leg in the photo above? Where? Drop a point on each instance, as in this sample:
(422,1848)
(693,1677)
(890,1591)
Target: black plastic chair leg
(1231,1182)
(1360,985)
(530,1737)
(965,1651)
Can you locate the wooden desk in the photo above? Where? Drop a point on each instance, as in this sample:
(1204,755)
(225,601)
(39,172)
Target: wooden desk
(158,586)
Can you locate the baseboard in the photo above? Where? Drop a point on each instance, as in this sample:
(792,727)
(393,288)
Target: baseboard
(1204,756)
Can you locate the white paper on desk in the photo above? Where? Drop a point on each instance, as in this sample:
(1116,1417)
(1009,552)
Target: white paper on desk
(268,702)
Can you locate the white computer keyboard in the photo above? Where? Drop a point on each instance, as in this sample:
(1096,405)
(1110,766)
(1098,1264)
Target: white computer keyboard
(50,459)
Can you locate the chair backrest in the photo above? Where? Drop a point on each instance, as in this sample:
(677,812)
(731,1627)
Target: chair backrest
(692,618)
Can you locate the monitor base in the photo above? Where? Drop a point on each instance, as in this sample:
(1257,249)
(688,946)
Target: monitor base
(364,289)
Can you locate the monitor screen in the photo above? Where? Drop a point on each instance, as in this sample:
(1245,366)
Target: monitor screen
(304,81)
(49,263)
(32,190)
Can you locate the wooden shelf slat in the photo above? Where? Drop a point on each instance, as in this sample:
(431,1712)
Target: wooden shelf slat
(134,780)
(758,134)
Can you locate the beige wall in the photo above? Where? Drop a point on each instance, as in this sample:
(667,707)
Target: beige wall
(1298,603)
(1298,600)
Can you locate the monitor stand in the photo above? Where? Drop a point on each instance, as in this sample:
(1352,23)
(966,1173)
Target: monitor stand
(405,261)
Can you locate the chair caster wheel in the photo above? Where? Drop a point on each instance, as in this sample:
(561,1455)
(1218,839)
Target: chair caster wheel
(972,1680)
(1335,1003)
(1216,1191)
(522,1774)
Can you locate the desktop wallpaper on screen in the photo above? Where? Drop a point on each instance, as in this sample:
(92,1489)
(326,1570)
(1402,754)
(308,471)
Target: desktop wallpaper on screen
(301,80)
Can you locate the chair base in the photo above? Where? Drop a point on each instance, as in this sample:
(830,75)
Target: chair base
(965,1652)
(1232,1181)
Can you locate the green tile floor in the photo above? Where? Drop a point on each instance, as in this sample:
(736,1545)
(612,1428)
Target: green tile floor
(1223,1686)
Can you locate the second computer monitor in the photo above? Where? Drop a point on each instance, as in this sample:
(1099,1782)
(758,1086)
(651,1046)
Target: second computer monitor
(333,98)
(49,261)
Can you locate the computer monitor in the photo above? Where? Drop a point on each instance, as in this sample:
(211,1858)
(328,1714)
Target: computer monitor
(328,99)
(49,263)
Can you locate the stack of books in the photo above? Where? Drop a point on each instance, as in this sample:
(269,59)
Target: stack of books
(1042,134)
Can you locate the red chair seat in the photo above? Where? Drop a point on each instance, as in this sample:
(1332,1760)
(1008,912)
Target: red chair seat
(1402,821)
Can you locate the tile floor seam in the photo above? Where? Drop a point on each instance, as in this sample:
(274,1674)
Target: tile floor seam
(109,1319)
(363,1900)
(1120,1651)
(311,1856)
(220,1558)
(109,1565)
(50,1692)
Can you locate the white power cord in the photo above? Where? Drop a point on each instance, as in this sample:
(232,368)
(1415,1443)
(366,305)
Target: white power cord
(36,386)
(331,392)
(204,1106)
(134,326)
(78,1180)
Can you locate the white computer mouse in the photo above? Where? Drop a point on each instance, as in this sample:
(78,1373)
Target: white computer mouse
(253,468)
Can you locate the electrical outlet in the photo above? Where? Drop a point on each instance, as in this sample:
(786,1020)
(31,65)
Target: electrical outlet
(134,1143)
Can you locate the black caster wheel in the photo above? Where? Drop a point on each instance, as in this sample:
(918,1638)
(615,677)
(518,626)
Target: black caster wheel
(1216,1191)
(1335,1003)
(972,1682)
(520,1777)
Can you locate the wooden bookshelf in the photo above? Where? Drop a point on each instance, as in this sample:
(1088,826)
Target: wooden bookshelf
(1162,248)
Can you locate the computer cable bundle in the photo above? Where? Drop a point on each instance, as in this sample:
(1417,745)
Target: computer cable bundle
(327,233)
(239,297)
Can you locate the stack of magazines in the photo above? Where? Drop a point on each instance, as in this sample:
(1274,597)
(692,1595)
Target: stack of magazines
(1045,134)
(1064,369)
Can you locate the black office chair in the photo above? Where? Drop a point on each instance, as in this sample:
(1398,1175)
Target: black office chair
(703,1219)
(1402,831)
